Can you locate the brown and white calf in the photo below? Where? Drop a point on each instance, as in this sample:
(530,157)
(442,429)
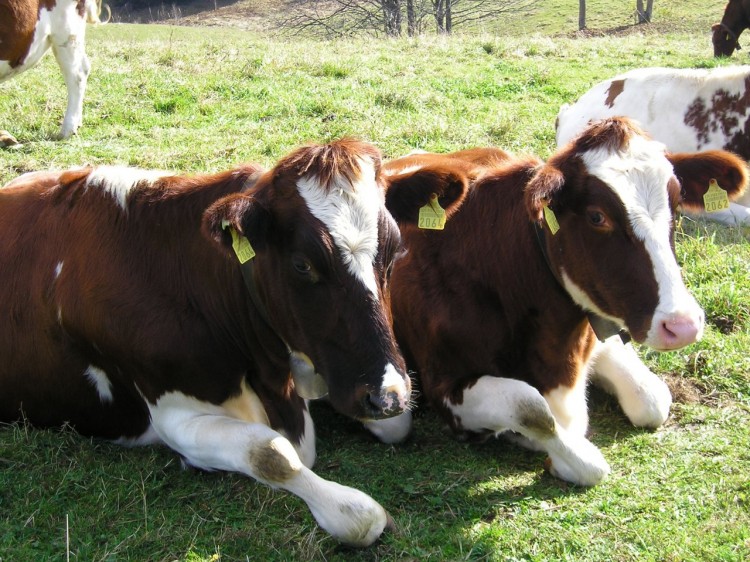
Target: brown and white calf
(495,311)
(29,28)
(135,311)
(686,109)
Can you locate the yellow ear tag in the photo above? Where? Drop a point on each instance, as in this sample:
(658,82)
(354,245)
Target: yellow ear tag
(551,219)
(715,199)
(432,215)
(242,247)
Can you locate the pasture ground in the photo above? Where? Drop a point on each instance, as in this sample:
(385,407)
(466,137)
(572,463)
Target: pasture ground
(197,99)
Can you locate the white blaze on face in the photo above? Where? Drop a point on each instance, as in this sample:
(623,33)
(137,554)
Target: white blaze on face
(639,177)
(350,213)
(119,181)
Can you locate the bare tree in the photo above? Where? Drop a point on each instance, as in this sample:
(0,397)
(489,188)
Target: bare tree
(454,13)
(350,17)
(644,16)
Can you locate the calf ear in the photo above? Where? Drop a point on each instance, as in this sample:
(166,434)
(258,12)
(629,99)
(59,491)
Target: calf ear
(243,213)
(696,170)
(541,190)
(409,191)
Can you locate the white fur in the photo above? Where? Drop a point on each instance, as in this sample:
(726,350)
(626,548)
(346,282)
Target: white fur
(101,382)
(350,213)
(209,439)
(391,430)
(643,396)
(569,406)
(58,269)
(500,405)
(119,181)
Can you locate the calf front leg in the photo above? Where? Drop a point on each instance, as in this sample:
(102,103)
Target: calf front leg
(643,396)
(499,404)
(209,439)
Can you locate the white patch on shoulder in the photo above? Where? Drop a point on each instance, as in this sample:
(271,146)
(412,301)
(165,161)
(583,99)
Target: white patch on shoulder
(101,382)
(58,269)
(350,213)
(120,181)
(246,406)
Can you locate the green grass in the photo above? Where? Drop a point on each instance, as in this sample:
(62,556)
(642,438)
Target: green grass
(193,100)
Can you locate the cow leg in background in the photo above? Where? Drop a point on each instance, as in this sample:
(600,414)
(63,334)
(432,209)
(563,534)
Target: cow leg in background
(499,404)
(643,396)
(391,430)
(209,439)
(74,64)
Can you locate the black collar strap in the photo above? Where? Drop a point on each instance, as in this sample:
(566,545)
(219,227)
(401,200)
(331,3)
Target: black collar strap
(603,328)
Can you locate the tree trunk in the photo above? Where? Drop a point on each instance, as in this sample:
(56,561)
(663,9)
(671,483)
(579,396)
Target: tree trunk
(392,17)
(644,16)
(448,17)
(411,18)
(581,14)
(439,10)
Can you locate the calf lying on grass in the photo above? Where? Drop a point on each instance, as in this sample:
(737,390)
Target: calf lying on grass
(495,311)
(199,312)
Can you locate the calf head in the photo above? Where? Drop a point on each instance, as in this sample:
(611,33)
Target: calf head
(611,196)
(324,248)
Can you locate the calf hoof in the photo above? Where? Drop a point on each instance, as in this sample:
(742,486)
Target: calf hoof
(649,408)
(355,519)
(587,467)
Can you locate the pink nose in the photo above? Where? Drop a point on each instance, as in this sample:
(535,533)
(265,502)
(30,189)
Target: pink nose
(678,331)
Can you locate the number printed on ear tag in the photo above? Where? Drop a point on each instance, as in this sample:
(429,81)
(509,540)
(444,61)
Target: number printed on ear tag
(432,215)
(715,199)
(551,219)
(242,247)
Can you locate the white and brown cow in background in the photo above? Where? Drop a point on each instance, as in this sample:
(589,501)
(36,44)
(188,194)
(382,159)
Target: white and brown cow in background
(495,311)
(134,310)
(29,28)
(686,109)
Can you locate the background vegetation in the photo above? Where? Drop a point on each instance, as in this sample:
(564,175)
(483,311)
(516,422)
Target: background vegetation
(199,99)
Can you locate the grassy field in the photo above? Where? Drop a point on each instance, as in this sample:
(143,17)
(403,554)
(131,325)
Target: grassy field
(194,99)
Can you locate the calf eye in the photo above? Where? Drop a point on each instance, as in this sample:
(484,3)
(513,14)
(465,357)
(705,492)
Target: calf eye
(597,218)
(302,265)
